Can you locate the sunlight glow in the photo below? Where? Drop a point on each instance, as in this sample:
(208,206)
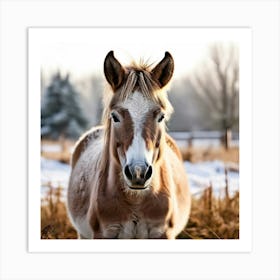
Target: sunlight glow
(81,52)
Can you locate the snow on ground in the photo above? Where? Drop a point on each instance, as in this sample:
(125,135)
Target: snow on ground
(55,148)
(51,148)
(55,173)
(200,175)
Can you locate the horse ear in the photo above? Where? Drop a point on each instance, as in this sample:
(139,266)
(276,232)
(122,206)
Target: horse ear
(113,71)
(163,71)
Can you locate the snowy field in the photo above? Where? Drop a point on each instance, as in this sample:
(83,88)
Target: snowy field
(201,175)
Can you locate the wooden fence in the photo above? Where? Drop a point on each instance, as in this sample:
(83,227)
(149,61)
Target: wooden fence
(206,138)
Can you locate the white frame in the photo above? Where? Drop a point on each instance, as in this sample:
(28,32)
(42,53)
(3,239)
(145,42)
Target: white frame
(262,262)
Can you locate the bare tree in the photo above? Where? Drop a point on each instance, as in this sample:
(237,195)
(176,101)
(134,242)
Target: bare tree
(217,84)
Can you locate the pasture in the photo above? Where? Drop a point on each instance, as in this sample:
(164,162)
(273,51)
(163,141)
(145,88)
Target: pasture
(214,215)
(127,176)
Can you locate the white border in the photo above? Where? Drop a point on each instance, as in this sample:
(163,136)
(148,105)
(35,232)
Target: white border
(40,37)
(263,260)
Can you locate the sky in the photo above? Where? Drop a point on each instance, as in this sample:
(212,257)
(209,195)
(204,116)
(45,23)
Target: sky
(81,51)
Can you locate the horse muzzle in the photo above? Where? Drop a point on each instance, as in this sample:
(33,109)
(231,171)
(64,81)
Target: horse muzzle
(138,175)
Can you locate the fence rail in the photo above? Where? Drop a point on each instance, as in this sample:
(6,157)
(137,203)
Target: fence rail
(205,137)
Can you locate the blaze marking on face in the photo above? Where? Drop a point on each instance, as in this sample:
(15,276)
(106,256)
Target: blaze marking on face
(138,107)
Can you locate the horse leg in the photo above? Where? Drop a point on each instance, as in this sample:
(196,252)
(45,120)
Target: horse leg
(80,236)
(167,235)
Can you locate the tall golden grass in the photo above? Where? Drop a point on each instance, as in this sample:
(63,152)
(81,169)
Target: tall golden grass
(211,217)
(55,223)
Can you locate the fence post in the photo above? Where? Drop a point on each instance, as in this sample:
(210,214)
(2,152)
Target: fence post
(227,138)
(190,142)
(226,182)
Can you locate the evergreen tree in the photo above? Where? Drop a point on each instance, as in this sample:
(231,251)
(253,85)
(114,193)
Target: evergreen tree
(61,112)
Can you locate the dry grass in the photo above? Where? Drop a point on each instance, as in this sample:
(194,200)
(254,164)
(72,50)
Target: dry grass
(211,218)
(55,223)
(63,155)
(196,154)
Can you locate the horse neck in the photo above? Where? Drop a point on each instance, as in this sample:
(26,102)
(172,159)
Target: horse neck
(109,179)
(160,170)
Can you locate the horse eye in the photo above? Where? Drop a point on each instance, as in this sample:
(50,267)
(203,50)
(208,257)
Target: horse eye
(161,118)
(115,117)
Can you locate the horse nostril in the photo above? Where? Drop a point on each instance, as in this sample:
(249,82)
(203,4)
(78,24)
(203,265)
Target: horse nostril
(149,173)
(127,172)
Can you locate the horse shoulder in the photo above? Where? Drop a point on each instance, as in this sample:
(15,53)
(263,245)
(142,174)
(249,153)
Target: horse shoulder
(84,140)
(174,147)
(182,203)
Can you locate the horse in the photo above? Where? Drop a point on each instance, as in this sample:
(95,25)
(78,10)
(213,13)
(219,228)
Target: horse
(127,176)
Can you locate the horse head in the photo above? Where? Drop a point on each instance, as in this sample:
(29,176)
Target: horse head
(136,116)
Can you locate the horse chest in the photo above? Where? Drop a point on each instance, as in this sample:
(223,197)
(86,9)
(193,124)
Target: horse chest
(147,220)
(139,229)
